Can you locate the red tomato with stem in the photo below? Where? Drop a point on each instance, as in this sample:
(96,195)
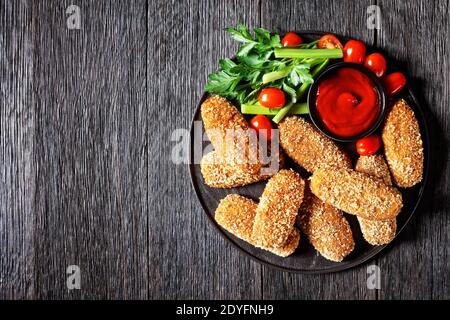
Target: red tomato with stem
(291,39)
(329,41)
(368,145)
(354,51)
(272,98)
(376,63)
(394,83)
(262,125)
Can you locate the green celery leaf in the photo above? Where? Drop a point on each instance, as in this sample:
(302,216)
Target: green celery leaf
(266,55)
(245,49)
(262,35)
(295,79)
(244,31)
(275,41)
(239,36)
(303,73)
(256,77)
(226,64)
(221,82)
(291,91)
(252,60)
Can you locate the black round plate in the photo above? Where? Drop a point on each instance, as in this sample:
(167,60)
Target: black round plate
(306,259)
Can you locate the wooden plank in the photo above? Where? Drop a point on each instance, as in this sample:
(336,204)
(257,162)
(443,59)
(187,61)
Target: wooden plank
(17,169)
(416,35)
(187,258)
(349,19)
(86,176)
(91,149)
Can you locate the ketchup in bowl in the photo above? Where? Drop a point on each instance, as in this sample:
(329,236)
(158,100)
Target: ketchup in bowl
(347,102)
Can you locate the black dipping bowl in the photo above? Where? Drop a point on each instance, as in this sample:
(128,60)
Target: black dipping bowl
(312,94)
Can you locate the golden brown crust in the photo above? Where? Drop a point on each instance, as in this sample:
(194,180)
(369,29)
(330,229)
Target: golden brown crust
(221,173)
(236,160)
(374,166)
(376,232)
(278,208)
(308,147)
(218,172)
(326,228)
(220,115)
(403,145)
(236,214)
(356,193)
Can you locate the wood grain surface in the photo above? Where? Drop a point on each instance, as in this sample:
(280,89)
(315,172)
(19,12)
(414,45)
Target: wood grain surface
(86,136)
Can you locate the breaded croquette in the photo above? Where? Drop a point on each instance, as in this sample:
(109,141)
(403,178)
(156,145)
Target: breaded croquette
(308,147)
(236,160)
(221,173)
(374,166)
(403,145)
(356,193)
(278,208)
(236,214)
(326,227)
(220,115)
(376,232)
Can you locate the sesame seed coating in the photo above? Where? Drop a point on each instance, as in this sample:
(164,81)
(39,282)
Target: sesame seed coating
(308,147)
(236,214)
(278,207)
(326,228)
(356,193)
(403,145)
(376,232)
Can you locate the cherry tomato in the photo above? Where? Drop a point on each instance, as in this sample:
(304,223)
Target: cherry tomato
(394,83)
(376,63)
(368,145)
(354,51)
(329,41)
(272,98)
(291,39)
(262,125)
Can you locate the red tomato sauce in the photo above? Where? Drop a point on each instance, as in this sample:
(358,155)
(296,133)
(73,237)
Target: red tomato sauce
(347,102)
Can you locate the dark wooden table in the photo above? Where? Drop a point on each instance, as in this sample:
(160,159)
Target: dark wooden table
(86,176)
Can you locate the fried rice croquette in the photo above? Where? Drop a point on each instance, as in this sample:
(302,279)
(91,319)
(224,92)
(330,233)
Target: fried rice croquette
(308,147)
(374,166)
(376,232)
(403,145)
(236,159)
(236,214)
(220,115)
(277,210)
(326,227)
(220,173)
(356,193)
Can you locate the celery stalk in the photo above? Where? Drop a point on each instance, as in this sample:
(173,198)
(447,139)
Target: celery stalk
(297,108)
(308,53)
(275,75)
